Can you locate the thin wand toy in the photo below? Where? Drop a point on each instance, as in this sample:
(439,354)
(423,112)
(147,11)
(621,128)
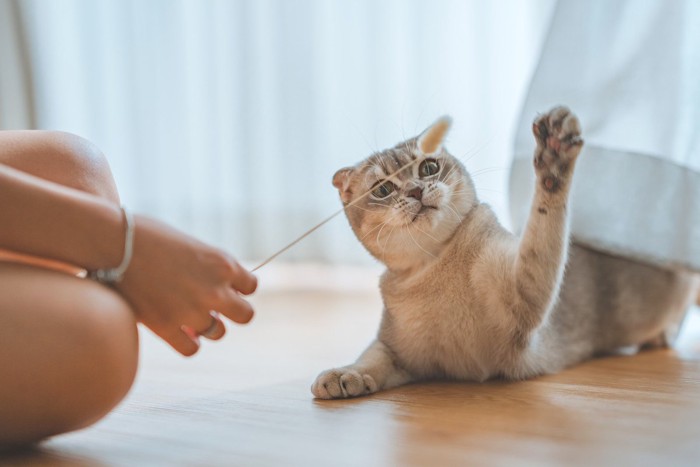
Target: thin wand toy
(323,222)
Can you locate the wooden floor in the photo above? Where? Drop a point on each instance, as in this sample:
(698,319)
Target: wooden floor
(246,401)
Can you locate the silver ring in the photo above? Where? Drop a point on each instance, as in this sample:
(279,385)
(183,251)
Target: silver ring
(212,327)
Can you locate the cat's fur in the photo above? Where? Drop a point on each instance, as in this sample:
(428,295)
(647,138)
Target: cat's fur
(465,299)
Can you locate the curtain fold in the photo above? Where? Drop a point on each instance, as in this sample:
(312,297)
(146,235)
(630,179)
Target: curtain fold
(16,98)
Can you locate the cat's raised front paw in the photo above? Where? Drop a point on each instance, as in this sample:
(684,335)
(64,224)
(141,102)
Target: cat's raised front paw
(559,142)
(341,383)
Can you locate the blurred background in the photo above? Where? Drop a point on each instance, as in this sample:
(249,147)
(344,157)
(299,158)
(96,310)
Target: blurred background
(228,118)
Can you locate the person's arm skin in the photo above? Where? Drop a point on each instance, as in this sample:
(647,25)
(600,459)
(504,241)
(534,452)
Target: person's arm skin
(49,220)
(173,279)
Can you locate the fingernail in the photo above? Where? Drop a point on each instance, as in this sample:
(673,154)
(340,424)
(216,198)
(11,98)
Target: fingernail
(191,334)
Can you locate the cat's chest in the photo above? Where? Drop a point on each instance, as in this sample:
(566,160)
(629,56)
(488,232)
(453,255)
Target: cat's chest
(432,296)
(432,327)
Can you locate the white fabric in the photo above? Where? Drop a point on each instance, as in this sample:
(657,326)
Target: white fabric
(630,69)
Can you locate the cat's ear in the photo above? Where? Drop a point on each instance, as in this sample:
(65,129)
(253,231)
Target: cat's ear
(431,140)
(341,180)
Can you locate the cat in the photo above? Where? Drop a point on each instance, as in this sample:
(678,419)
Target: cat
(464,298)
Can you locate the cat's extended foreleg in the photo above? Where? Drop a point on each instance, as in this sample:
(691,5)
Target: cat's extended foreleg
(373,371)
(542,252)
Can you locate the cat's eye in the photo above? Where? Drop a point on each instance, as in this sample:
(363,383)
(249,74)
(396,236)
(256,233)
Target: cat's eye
(428,167)
(383,190)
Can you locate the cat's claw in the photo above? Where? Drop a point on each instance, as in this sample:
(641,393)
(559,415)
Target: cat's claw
(559,142)
(342,383)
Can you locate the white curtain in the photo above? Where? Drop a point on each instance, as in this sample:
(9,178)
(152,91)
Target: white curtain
(16,107)
(229,118)
(631,71)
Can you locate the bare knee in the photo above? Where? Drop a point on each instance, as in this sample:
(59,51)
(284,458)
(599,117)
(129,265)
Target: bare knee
(60,157)
(67,367)
(88,164)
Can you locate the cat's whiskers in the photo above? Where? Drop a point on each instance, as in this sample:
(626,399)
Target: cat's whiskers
(486,170)
(450,172)
(384,224)
(375,228)
(408,229)
(459,192)
(426,234)
(474,151)
(365,209)
(459,181)
(386,242)
(456,184)
(456,181)
(452,208)
(391,232)
(470,154)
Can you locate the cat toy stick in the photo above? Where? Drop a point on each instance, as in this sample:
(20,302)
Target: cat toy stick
(300,238)
(428,143)
(323,222)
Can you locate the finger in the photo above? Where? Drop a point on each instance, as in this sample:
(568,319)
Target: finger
(216,329)
(191,333)
(208,325)
(199,320)
(236,309)
(242,280)
(179,339)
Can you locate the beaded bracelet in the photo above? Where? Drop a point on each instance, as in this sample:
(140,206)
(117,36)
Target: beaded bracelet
(115,275)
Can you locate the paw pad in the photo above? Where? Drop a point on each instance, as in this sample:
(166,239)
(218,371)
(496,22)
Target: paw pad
(558,136)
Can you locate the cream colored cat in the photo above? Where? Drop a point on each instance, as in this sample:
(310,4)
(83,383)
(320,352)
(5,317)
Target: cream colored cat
(464,298)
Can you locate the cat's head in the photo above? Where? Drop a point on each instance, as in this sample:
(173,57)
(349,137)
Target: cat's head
(406,202)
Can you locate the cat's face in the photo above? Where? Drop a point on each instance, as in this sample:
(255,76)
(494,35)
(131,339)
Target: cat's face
(411,199)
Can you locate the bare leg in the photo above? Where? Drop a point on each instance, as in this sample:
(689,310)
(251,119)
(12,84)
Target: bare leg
(68,352)
(68,346)
(374,370)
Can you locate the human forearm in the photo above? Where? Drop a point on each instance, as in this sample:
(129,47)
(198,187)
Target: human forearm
(45,219)
(173,281)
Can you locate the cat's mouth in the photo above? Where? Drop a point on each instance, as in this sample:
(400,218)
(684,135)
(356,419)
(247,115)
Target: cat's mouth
(423,211)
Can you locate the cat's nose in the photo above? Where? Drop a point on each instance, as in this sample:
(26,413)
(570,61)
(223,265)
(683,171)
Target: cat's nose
(416,192)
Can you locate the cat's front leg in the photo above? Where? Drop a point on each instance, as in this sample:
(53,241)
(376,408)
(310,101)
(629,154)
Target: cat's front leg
(542,252)
(373,371)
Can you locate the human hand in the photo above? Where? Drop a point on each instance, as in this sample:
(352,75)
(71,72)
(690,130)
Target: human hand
(174,281)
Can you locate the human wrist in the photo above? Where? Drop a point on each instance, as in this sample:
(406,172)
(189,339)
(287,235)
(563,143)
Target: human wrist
(114,275)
